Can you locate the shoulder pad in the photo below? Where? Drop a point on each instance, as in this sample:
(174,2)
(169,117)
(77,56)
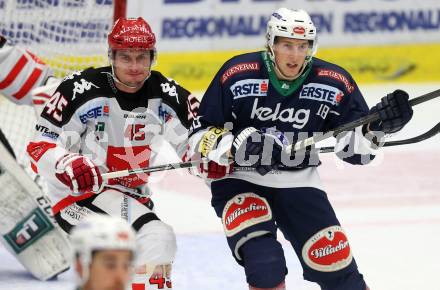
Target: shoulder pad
(250,63)
(75,90)
(334,73)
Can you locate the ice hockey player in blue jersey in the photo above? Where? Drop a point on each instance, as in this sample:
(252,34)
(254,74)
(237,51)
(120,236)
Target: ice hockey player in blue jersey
(256,105)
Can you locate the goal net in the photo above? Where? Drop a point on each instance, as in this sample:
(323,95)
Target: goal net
(68,35)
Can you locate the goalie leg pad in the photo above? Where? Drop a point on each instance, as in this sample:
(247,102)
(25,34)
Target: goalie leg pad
(27,229)
(6,143)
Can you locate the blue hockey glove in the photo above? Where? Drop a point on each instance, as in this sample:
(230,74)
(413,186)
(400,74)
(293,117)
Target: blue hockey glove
(256,149)
(394,111)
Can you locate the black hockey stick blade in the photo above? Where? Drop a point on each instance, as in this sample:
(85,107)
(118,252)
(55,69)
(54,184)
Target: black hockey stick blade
(422,137)
(303,144)
(428,134)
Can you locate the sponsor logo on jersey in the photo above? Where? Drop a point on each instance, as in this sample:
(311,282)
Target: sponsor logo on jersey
(250,87)
(322,93)
(241,67)
(81,87)
(46,132)
(164,115)
(243,211)
(210,140)
(328,250)
(298,118)
(37,149)
(93,113)
(135,116)
(100,127)
(336,76)
(106,110)
(122,158)
(28,230)
(74,213)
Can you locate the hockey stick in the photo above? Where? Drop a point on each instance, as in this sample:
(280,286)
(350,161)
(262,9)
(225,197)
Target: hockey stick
(428,134)
(347,127)
(127,172)
(301,145)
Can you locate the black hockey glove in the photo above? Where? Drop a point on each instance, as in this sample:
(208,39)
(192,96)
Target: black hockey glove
(394,111)
(2,41)
(256,149)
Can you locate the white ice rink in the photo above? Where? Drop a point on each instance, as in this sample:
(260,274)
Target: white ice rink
(390,211)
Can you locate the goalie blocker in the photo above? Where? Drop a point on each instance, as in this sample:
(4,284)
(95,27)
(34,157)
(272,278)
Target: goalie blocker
(27,227)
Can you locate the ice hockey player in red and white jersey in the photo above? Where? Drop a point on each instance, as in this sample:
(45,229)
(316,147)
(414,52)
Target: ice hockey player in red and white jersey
(108,119)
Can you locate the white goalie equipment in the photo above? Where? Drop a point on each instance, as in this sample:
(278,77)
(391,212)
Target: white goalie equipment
(27,227)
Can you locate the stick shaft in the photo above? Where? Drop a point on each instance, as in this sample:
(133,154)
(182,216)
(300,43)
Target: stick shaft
(351,125)
(123,173)
(299,145)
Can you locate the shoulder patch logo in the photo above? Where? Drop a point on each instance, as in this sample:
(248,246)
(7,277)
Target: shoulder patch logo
(336,76)
(79,88)
(241,67)
(170,90)
(328,250)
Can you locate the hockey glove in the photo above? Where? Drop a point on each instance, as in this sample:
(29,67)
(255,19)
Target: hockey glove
(209,169)
(2,41)
(79,173)
(212,170)
(394,111)
(259,150)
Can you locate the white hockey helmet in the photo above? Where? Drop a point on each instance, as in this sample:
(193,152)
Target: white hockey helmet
(101,232)
(291,24)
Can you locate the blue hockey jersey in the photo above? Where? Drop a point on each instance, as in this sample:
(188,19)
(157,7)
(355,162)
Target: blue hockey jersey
(246,93)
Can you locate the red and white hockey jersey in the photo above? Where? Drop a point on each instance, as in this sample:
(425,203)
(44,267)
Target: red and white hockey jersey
(87,114)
